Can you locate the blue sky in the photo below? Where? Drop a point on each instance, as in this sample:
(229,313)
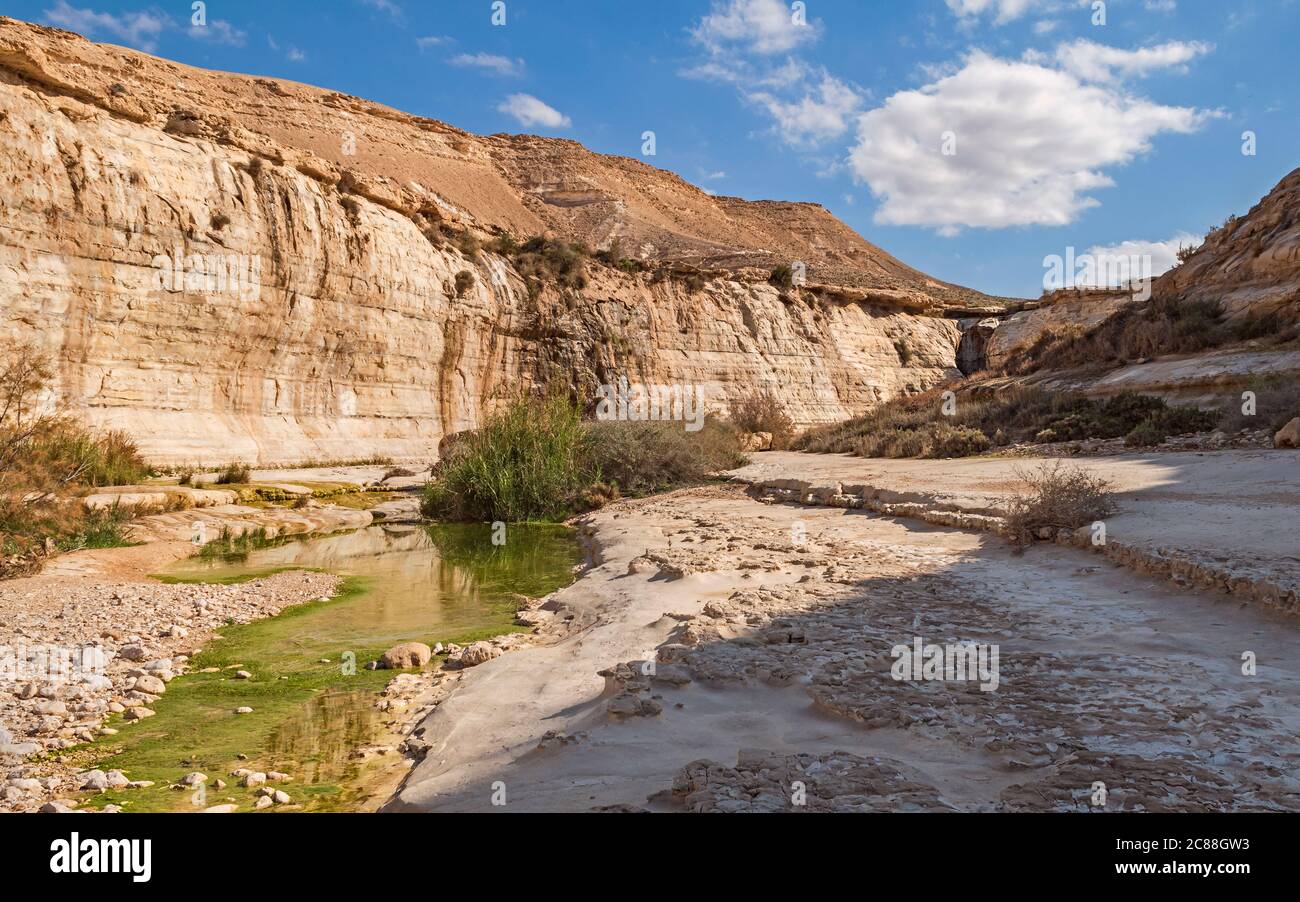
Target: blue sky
(970,138)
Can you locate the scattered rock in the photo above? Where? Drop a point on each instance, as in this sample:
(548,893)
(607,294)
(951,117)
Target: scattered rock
(1288,436)
(478,653)
(408,654)
(150,684)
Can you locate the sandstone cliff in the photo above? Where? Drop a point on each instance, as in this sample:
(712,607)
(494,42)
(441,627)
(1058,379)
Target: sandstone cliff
(1251,263)
(217,275)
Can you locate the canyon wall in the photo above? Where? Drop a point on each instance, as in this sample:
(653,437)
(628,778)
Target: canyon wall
(340,332)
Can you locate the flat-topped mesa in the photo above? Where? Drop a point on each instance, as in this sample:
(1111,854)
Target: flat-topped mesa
(377,317)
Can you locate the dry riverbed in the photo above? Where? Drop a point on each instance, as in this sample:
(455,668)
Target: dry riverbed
(726,653)
(770,629)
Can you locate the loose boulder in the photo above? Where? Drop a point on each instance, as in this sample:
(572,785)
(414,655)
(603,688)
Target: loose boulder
(408,654)
(478,653)
(1288,436)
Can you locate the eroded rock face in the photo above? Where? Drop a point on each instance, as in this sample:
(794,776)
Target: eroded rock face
(1058,313)
(339,331)
(1251,264)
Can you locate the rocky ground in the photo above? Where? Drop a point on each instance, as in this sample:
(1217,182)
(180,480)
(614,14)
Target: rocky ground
(738,659)
(126,639)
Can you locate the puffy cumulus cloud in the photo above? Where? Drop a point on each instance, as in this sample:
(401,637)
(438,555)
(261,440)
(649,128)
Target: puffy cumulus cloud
(529,111)
(1090,61)
(755,26)
(807,105)
(1030,143)
(823,112)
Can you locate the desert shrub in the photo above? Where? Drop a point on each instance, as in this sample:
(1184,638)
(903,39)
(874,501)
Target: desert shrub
(915,425)
(614,258)
(943,440)
(537,460)
(1259,325)
(782,276)
(234,474)
(550,260)
(1161,424)
(48,460)
(1277,402)
(529,462)
(463,240)
(762,412)
(640,458)
(1159,326)
(1144,435)
(185,477)
(505,244)
(464,282)
(1057,497)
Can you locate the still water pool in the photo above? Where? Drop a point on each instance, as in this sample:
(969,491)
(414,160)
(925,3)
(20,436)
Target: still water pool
(434,583)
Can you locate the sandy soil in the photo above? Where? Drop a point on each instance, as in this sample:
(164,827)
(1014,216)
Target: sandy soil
(773,669)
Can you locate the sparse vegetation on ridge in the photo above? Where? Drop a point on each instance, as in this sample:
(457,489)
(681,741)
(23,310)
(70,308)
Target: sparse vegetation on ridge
(916,426)
(1140,331)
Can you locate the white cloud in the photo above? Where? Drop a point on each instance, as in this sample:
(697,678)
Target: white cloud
(1090,61)
(295,55)
(1003,10)
(807,104)
(528,110)
(137,29)
(1032,142)
(755,26)
(218,31)
(385,6)
(1117,260)
(432,40)
(501,65)
(822,113)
